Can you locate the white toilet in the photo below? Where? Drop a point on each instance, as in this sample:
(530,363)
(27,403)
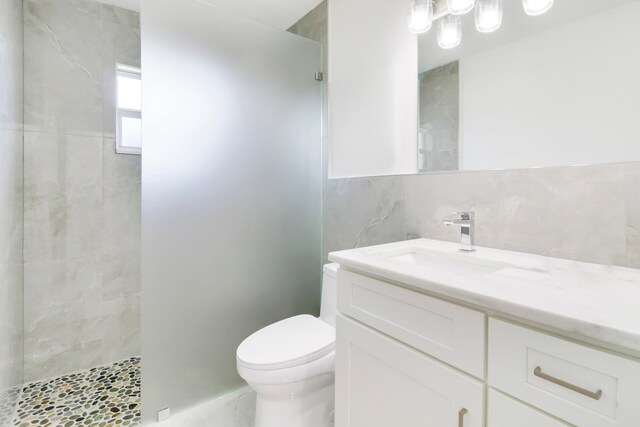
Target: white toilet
(291,365)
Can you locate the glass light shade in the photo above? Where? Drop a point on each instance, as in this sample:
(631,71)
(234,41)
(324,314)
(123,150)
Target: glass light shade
(488,15)
(420,16)
(460,7)
(449,31)
(536,7)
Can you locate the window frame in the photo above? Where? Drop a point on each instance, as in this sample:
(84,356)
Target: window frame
(130,72)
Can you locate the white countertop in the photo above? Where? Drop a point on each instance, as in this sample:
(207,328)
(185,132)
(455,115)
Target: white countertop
(583,300)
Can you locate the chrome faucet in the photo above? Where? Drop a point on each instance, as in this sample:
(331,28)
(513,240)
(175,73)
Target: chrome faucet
(466,221)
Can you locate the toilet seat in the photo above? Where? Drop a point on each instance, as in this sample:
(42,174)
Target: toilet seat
(324,365)
(292,342)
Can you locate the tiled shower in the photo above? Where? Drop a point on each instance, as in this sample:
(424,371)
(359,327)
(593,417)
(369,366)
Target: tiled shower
(70,275)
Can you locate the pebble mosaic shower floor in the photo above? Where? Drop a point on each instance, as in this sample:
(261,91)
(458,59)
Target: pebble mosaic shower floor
(100,397)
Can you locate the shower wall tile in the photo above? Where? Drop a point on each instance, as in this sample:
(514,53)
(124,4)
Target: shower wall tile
(63,196)
(11,101)
(11,330)
(11,194)
(63,70)
(120,327)
(82,200)
(63,316)
(11,208)
(122,200)
(120,45)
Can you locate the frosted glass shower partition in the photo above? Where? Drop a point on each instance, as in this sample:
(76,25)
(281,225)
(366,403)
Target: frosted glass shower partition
(231,193)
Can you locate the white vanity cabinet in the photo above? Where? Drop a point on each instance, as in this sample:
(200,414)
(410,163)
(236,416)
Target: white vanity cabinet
(381,382)
(408,359)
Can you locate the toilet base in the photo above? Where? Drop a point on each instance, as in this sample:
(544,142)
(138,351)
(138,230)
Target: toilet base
(312,408)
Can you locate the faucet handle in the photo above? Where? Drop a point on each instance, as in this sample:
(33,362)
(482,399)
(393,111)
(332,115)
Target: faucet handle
(465,215)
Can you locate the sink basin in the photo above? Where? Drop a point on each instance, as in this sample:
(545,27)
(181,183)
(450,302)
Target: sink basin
(455,262)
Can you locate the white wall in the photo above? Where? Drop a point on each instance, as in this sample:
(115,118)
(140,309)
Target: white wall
(373,84)
(570,95)
(231,202)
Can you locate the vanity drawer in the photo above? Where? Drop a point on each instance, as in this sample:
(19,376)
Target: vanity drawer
(507,412)
(579,384)
(451,333)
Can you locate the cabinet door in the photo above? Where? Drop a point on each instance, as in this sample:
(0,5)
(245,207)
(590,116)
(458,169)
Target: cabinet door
(381,382)
(506,412)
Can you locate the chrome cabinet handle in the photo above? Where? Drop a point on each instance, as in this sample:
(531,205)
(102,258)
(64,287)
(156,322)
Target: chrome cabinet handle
(538,373)
(461,415)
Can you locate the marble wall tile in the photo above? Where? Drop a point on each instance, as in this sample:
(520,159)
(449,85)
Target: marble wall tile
(120,322)
(122,200)
(11,195)
(11,281)
(439,119)
(313,25)
(11,207)
(632,198)
(363,211)
(120,45)
(11,329)
(121,305)
(11,51)
(82,200)
(63,196)
(63,67)
(555,212)
(63,316)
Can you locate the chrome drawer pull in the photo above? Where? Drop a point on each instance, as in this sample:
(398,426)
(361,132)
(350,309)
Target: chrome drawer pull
(538,373)
(461,415)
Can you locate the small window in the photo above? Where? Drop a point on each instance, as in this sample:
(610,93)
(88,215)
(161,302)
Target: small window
(129,114)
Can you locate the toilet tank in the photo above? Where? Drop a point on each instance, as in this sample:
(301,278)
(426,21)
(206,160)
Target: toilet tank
(329,303)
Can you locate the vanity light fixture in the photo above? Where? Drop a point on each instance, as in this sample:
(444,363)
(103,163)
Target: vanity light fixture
(536,7)
(420,16)
(460,7)
(488,15)
(449,31)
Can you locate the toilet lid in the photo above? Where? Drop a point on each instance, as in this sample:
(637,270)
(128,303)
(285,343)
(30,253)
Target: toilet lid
(290,342)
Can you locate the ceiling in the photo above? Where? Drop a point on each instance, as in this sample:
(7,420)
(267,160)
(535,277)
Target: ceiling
(515,25)
(275,13)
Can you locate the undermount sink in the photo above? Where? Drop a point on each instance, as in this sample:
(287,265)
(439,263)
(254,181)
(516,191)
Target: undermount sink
(471,262)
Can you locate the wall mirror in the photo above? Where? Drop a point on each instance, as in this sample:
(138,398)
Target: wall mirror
(506,87)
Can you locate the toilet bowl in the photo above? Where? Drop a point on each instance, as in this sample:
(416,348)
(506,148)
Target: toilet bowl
(291,364)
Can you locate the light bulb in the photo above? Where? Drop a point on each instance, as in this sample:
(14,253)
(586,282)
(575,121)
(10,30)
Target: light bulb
(449,31)
(420,16)
(460,7)
(536,7)
(488,15)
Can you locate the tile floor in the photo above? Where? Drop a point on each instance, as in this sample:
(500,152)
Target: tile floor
(100,397)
